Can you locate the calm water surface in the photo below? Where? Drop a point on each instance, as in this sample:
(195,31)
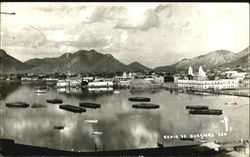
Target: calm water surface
(122,126)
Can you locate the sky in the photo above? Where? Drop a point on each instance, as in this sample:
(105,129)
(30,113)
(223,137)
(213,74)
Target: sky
(155,34)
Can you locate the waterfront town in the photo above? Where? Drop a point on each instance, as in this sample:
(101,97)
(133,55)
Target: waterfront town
(228,81)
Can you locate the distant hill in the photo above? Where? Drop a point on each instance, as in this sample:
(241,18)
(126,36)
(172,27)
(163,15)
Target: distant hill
(212,59)
(82,61)
(136,66)
(9,64)
(239,59)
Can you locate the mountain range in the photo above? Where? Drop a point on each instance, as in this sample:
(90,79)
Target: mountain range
(219,58)
(84,61)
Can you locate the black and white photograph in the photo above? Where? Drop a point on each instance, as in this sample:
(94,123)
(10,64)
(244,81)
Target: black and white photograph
(124,79)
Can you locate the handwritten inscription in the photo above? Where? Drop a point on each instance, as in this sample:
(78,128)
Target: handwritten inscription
(207,135)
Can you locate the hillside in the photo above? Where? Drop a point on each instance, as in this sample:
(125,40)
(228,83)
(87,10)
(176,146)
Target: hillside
(136,66)
(9,64)
(81,61)
(209,60)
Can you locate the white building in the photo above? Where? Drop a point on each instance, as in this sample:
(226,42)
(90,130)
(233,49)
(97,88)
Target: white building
(203,83)
(62,83)
(209,84)
(202,75)
(190,71)
(235,74)
(100,84)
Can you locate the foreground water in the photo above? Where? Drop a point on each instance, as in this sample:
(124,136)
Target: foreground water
(122,126)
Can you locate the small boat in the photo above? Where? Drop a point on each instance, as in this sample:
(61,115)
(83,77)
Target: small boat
(40,91)
(40,87)
(97,133)
(58,127)
(71,108)
(146,106)
(89,105)
(116,92)
(206,111)
(36,105)
(196,107)
(231,103)
(17,104)
(139,99)
(202,140)
(91,121)
(55,101)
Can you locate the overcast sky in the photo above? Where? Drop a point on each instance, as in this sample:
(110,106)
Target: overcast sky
(152,33)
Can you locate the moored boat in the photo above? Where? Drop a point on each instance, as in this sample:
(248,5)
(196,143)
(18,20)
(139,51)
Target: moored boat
(97,133)
(17,104)
(71,108)
(40,91)
(91,121)
(116,92)
(146,106)
(206,111)
(55,101)
(89,105)
(40,87)
(59,127)
(231,103)
(196,107)
(145,99)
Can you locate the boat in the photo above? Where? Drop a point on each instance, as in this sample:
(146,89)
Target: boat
(55,101)
(206,111)
(89,105)
(17,104)
(146,106)
(58,127)
(97,133)
(231,103)
(72,108)
(40,87)
(145,99)
(116,92)
(36,105)
(40,91)
(196,107)
(91,121)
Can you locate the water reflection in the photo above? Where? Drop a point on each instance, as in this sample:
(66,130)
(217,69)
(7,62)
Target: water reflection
(122,126)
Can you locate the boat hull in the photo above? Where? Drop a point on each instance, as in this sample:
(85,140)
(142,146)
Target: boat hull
(54,101)
(90,105)
(145,106)
(17,105)
(72,108)
(206,112)
(139,99)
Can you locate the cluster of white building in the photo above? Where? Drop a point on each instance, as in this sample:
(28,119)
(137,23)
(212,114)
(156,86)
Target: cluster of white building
(201,81)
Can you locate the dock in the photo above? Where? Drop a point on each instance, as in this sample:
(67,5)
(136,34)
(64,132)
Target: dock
(9,147)
(72,108)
